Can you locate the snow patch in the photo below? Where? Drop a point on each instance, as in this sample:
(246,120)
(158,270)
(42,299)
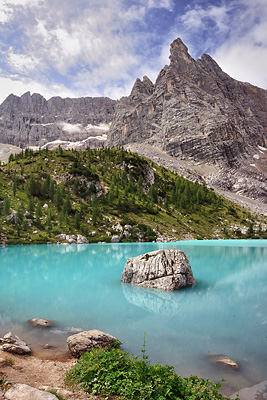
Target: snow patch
(101,127)
(262,148)
(256,156)
(70,144)
(70,128)
(49,123)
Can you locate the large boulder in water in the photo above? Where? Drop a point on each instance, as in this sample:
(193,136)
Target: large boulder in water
(162,269)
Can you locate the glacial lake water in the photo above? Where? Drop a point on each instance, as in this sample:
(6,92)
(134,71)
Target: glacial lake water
(78,286)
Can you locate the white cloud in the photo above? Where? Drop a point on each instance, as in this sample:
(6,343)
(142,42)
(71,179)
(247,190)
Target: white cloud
(21,63)
(92,39)
(5,13)
(7,8)
(244,61)
(244,54)
(98,48)
(95,47)
(167,4)
(18,87)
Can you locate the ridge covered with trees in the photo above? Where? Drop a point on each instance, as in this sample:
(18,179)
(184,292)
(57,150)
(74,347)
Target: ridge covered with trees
(107,192)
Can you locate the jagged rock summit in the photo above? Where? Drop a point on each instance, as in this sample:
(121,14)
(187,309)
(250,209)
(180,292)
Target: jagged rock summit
(198,113)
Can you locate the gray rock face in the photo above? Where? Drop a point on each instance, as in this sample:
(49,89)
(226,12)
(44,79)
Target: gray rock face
(32,120)
(12,217)
(198,113)
(72,239)
(14,344)
(115,239)
(82,342)
(21,391)
(161,269)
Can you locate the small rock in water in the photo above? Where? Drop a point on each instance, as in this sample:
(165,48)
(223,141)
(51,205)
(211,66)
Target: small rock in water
(224,361)
(72,329)
(48,346)
(43,323)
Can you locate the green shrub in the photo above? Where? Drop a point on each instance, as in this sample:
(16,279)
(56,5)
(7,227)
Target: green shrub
(112,372)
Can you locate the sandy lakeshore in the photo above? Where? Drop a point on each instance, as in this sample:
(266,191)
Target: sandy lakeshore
(40,373)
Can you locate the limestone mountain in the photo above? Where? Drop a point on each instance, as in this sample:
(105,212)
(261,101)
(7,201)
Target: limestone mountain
(31,120)
(197,113)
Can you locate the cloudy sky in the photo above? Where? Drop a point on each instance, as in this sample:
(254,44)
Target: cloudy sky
(99,47)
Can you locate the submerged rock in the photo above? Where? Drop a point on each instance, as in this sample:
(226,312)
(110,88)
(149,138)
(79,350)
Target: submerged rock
(82,342)
(224,361)
(21,391)
(43,323)
(162,269)
(14,344)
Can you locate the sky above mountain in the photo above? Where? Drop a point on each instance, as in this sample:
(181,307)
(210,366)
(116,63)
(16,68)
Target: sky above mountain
(99,47)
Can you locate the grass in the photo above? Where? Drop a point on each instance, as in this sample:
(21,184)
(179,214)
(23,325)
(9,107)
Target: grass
(112,372)
(110,186)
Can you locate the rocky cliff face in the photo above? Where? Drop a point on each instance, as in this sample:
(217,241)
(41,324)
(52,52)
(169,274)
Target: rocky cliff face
(198,113)
(31,120)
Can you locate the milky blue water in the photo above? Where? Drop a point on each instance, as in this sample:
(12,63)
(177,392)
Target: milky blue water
(78,286)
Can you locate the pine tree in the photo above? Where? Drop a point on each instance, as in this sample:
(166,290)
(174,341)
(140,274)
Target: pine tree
(31,186)
(6,206)
(67,205)
(94,216)
(15,185)
(20,214)
(58,198)
(52,189)
(31,206)
(11,158)
(76,187)
(77,220)
(38,211)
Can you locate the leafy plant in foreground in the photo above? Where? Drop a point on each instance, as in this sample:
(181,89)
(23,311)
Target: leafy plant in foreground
(113,372)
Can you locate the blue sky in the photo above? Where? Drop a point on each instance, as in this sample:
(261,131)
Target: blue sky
(99,47)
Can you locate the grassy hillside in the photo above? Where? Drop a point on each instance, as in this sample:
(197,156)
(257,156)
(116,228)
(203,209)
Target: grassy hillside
(107,192)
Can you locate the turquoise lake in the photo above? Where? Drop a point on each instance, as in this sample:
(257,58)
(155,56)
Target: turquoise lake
(78,286)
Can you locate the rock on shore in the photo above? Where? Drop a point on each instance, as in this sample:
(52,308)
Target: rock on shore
(82,342)
(14,344)
(21,391)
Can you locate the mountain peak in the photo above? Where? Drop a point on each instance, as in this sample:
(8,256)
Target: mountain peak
(144,87)
(27,94)
(179,53)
